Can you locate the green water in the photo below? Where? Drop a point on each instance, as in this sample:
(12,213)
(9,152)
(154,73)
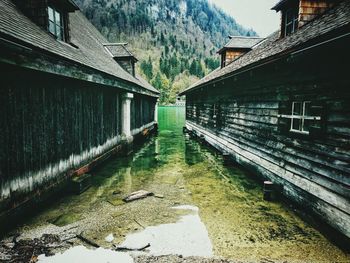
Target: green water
(180,171)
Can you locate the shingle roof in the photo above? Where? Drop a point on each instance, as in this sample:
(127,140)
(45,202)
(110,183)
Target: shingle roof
(335,18)
(119,50)
(90,51)
(241,42)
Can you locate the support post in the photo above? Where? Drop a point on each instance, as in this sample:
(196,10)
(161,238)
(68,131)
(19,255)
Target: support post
(126,123)
(126,114)
(156,111)
(268,190)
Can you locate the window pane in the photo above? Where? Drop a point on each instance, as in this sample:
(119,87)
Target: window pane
(306,125)
(289,15)
(307,108)
(51,16)
(289,29)
(52,27)
(296,124)
(58,32)
(297,109)
(291,21)
(58,18)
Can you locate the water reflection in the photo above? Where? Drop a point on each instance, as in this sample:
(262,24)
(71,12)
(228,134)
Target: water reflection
(187,237)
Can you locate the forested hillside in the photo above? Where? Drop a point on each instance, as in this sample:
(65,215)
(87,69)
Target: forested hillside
(175,40)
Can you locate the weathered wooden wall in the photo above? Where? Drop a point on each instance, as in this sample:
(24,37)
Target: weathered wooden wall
(51,125)
(240,115)
(233,54)
(142,111)
(230,55)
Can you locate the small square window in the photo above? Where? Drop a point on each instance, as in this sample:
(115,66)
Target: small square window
(300,119)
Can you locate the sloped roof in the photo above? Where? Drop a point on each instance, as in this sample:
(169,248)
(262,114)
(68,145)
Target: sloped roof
(241,42)
(84,35)
(335,18)
(118,50)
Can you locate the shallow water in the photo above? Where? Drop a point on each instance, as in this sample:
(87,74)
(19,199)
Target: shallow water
(220,209)
(187,237)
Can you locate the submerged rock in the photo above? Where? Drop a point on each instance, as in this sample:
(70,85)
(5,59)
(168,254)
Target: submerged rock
(137,195)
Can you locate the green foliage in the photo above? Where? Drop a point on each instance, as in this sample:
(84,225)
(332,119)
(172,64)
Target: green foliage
(196,68)
(162,83)
(175,41)
(212,63)
(147,68)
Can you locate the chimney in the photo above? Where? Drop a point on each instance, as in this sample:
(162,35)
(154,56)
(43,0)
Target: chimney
(296,13)
(122,56)
(236,47)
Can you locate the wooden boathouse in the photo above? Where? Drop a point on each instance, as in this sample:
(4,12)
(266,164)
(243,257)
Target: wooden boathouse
(282,107)
(68,98)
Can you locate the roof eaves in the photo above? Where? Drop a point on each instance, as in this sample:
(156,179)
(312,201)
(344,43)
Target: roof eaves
(50,56)
(234,48)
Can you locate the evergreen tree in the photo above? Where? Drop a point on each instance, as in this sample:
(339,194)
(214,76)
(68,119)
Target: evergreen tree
(147,68)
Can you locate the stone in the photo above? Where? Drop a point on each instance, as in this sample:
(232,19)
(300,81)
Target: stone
(109,238)
(137,195)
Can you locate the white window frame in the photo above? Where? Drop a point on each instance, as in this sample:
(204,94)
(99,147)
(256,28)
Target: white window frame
(58,30)
(293,22)
(301,117)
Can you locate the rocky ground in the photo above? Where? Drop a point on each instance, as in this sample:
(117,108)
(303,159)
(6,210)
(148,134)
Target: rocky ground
(179,259)
(14,249)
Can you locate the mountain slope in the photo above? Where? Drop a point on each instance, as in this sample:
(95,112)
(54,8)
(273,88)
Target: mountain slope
(175,40)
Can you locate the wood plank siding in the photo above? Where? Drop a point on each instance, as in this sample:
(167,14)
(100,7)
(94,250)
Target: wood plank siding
(142,111)
(230,55)
(65,101)
(53,125)
(246,115)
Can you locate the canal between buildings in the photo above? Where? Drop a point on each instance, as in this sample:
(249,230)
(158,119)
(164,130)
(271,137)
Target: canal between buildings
(200,208)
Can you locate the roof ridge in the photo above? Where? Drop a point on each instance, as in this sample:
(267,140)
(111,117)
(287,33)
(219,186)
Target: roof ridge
(247,37)
(116,44)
